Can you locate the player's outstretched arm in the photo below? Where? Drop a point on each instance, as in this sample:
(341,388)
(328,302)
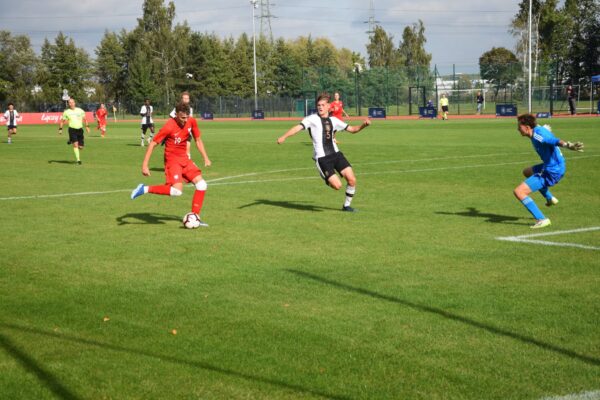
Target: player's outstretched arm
(145,169)
(289,133)
(575,146)
(356,129)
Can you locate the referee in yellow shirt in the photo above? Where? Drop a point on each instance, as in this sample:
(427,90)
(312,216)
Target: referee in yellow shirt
(76,118)
(444,106)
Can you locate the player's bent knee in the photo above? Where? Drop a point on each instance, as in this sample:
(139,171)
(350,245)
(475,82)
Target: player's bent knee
(201,185)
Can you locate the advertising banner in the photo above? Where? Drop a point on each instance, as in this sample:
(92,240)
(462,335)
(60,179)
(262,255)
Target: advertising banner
(42,118)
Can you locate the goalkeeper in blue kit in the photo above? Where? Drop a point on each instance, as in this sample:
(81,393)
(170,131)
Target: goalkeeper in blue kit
(541,177)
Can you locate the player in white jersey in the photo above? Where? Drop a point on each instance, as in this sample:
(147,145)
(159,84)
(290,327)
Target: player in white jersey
(11,115)
(147,122)
(185,99)
(329,159)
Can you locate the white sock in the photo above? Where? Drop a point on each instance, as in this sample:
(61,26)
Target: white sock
(350,190)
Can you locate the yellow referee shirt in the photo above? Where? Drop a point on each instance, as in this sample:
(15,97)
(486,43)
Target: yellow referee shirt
(75,117)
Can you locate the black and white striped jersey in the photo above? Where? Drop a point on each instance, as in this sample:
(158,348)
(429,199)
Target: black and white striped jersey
(146,113)
(322,132)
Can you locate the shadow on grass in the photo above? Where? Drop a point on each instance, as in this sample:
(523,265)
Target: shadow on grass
(157,169)
(33,367)
(61,162)
(61,391)
(287,204)
(494,218)
(146,218)
(135,145)
(454,317)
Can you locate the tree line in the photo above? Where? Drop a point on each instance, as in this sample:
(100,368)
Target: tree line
(158,59)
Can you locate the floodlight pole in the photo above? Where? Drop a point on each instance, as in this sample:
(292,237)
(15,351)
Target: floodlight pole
(529,87)
(254,7)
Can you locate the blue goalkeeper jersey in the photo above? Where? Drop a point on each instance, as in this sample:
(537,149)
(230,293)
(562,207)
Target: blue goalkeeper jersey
(546,145)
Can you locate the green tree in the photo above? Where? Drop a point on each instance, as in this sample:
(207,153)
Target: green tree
(381,50)
(500,67)
(209,64)
(65,66)
(18,68)
(242,66)
(583,57)
(111,66)
(412,46)
(288,71)
(165,44)
(142,83)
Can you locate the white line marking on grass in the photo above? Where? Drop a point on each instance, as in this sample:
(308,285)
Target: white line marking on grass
(526,238)
(595,395)
(45,196)
(217,181)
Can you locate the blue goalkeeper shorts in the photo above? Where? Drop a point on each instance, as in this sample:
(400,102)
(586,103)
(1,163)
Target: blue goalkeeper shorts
(542,178)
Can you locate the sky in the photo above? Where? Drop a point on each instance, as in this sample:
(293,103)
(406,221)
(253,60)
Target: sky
(457,32)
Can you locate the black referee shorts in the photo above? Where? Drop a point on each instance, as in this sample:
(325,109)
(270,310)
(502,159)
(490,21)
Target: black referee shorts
(76,135)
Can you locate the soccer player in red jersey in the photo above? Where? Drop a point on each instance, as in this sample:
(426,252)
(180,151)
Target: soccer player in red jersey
(336,107)
(101,118)
(179,168)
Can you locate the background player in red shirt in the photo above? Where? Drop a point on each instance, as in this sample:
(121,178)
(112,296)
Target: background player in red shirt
(179,168)
(336,107)
(101,118)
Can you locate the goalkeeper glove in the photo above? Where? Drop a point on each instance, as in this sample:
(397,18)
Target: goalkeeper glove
(577,146)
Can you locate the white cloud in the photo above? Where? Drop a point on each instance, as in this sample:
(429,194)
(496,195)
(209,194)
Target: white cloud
(457,32)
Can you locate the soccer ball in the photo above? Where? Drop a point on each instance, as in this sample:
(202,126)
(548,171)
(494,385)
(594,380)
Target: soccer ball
(191,221)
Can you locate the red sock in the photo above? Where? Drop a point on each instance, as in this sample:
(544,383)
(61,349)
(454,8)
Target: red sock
(160,189)
(197,201)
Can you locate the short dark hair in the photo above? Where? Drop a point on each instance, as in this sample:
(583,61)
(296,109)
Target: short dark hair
(10,104)
(182,107)
(324,96)
(184,93)
(527,120)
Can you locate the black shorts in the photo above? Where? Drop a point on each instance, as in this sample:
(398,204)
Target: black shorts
(329,164)
(9,127)
(76,135)
(146,126)
(445,108)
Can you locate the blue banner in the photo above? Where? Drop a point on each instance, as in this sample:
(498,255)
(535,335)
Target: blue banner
(543,115)
(377,112)
(207,115)
(427,112)
(506,110)
(258,114)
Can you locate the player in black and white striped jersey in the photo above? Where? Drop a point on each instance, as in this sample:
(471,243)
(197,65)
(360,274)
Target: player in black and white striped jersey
(147,121)
(322,129)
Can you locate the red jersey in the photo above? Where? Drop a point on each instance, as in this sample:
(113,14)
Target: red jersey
(101,115)
(335,109)
(175,138)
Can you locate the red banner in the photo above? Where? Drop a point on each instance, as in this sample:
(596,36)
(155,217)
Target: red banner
(42,118)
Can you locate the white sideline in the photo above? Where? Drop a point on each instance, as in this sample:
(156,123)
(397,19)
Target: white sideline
(216,182)
(526,238)
(595,395)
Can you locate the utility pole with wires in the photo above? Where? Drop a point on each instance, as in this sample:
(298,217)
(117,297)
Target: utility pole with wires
(265,19)
(372,22)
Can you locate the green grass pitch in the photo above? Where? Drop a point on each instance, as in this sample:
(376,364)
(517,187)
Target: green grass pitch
(284,296)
